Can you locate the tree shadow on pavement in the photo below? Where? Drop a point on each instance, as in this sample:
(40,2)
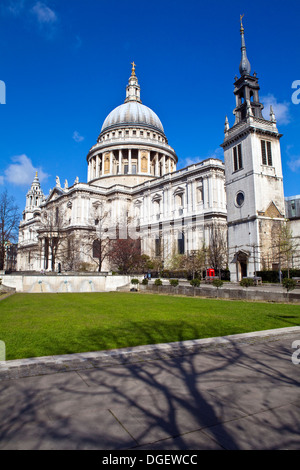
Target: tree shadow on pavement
(235,397)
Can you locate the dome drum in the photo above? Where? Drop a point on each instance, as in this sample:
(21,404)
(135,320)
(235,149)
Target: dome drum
(146,162)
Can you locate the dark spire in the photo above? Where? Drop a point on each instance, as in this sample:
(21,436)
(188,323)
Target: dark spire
(245,67)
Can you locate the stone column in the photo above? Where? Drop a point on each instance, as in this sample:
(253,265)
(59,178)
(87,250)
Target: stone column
(120,161)
(89,171)
(205,195)
(102,164)
(149,162)
(156,165)
(93,167)
(129,162)
(97,166)
(43,254)
(170,201)
(111,163)
(139,161)
(189,197)
(163,165)
(193,188)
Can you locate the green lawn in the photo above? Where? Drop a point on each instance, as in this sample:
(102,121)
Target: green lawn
(34,325)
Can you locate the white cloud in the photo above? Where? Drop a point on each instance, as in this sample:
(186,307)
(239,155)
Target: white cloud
(294,164)
(21,172)
(77,137)
(78,42)
(44,14)
(15,7)
(192,161)
(1,180)
(217,153)
(281,110)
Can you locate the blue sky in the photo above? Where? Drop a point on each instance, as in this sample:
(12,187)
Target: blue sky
(66,64)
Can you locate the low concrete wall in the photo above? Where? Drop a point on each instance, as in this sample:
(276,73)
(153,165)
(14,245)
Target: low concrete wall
(254,294)
(65,283)
(6,289)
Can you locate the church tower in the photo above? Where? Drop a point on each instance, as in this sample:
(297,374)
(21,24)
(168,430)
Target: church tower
(34,199)
(253,175)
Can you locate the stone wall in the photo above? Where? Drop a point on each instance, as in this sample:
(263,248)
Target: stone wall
(251,294)
(51,283)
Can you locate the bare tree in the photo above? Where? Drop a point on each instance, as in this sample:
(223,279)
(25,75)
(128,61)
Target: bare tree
(197,261)
(217,250)
(9,222)
(285,246)
(125,255)
(97,239)
(53,230)
(69,252)
(194,261)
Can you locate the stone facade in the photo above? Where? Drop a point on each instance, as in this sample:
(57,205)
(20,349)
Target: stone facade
(134,189)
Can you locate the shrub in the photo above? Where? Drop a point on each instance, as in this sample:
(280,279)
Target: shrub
(217,283)
(289,284)
(174,282)
(165,273)
(247,282)
(195,282)
(85,267)
(145,282)
(273,276)
(135,281)
(158,282)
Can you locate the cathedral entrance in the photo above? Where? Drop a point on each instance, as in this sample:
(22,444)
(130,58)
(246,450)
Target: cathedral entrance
(242,264)
(243,269)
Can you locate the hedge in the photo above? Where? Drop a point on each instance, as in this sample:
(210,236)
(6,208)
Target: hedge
(273,276)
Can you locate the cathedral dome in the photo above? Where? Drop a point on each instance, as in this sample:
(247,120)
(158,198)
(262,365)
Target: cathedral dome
(133,113)
(131,147)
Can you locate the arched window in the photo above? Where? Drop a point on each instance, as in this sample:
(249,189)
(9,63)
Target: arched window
(179,200)
(144,164)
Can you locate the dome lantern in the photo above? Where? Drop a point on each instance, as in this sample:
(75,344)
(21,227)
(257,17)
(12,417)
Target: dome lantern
(133,90)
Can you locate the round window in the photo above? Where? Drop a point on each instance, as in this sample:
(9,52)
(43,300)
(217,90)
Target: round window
(240,198)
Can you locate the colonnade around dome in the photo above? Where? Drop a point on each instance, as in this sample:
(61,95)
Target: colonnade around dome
(130,160)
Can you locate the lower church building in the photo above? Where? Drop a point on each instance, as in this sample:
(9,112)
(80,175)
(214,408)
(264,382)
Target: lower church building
(135,191)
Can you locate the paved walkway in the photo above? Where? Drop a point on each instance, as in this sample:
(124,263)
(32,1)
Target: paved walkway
(238,392)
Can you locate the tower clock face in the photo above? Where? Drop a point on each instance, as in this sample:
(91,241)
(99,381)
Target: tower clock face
(240,199)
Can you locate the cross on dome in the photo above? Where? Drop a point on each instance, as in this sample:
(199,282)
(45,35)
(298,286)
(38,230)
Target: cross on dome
(133,68)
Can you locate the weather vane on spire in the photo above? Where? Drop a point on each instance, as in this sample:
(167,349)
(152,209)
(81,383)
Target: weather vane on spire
(133,68)
(241,17)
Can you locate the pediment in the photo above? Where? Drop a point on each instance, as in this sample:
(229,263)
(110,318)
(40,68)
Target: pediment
(54,194)
(157,197)
(179,190)
(273,211)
